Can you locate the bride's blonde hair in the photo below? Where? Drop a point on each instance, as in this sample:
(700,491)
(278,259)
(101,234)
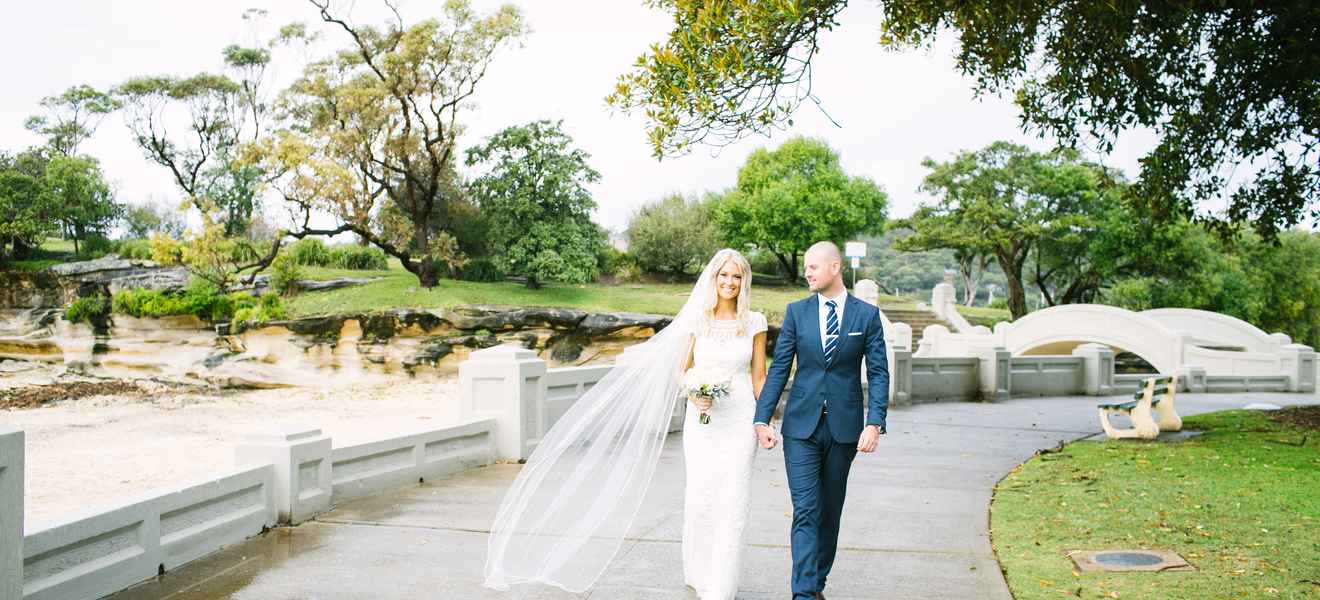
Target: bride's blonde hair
(728,255)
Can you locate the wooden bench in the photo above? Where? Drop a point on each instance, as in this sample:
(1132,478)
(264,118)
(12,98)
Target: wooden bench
(1150,414)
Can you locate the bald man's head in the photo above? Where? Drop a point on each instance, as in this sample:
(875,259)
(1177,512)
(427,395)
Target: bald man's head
(823,268)
(827,251)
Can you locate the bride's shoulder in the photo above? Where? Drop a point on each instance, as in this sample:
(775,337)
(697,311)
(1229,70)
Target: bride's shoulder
(757,321)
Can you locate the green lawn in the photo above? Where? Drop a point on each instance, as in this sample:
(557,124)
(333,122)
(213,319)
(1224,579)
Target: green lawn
(52,252)
(1241,503)
(399,289)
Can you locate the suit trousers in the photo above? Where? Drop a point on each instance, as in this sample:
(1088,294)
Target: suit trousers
(817,469)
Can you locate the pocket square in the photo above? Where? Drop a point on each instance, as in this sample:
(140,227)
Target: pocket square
(855,333)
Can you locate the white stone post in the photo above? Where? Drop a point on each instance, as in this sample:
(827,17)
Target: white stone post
(941,298)
(506,383)
(301,456)
(1299,364)
(994,372)
(1192,378)
(867,291)
(11,513)
(900,377)
(1097,369)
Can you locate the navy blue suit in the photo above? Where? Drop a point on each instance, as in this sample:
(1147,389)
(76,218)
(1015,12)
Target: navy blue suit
(823,420)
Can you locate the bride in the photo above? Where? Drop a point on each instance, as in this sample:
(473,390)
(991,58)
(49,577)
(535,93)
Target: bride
(568,511)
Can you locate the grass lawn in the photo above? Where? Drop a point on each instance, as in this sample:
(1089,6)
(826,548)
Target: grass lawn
(399,289)
(52,252)
(1240,502)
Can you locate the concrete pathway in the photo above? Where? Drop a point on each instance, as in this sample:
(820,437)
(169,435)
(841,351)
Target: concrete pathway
(915,524)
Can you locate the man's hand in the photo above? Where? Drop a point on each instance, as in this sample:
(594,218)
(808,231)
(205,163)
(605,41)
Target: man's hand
(870,436)
(766,435)
(703,403)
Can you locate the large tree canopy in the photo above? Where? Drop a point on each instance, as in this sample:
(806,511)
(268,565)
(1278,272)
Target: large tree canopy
(374,126)
(794,196)
(28,211)
(533,193)
(673,234)
(72,117)
(1230,86)
(1006,200)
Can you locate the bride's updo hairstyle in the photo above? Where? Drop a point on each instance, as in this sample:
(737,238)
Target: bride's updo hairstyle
(728,255)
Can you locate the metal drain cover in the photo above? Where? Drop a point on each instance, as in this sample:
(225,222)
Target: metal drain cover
(1129,560)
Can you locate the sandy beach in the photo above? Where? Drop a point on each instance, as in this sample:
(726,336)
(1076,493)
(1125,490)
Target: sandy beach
(96,450)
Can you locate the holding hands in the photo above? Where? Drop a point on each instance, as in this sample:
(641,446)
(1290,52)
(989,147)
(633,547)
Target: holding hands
(766,436)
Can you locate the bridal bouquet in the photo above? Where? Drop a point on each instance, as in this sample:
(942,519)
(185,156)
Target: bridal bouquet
(706,382)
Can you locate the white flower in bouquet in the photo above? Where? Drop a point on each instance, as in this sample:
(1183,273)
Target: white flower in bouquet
(706,382)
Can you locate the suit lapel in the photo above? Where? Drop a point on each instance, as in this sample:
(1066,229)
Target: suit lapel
(850,311)
(811,313)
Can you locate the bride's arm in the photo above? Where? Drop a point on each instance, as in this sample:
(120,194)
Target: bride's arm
(758,363)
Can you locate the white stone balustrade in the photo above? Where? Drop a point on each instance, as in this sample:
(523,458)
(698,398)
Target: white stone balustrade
(11,513)
(301,457)
(506,383)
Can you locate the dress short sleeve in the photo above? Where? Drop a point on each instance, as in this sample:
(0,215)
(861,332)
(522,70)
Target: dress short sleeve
(757,323)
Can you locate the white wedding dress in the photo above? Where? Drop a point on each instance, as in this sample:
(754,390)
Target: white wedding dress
(718,456)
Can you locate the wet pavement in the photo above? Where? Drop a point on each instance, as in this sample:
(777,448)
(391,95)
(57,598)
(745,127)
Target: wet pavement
(915,524)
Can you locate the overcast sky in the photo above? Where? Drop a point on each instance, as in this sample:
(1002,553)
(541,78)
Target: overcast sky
(893,109)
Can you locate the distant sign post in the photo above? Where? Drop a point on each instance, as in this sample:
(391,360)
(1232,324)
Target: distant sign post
(855,251)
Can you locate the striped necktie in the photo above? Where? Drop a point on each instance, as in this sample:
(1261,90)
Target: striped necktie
(831,331)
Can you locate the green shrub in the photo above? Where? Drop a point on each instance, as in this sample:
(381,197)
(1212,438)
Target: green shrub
(311,252)
(628,273)
(1000,303)
(481,269)
(284,273)
(257,312)
(611,259)
(361,258)
(96,246)
(87,309)
(200,299)
(134,249)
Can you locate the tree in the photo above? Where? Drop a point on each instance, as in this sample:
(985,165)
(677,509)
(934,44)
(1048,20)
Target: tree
(930,228)
(221,112)
(1274,287)
(376,123)
(534,196)
(794,196)
(84,202)
(142,220)
(1006,199)
(1227,86)
(27,210)
(672,234)
(72,117)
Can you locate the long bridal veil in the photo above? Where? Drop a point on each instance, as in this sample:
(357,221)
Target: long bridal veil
(567,512)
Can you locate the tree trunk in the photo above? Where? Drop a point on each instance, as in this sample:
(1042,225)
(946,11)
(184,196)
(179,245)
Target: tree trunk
(967,269)
(21,249)
(1017,297)
(788,268)
(425,272)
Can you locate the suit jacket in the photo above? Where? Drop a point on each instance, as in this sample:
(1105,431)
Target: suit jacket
(839,382)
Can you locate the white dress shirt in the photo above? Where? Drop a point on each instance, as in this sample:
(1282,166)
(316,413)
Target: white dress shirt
(824,311)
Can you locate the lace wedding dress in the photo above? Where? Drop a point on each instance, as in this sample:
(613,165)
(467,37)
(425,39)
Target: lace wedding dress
(718,458)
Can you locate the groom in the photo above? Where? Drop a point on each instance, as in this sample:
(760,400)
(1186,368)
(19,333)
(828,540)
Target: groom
(829,334)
